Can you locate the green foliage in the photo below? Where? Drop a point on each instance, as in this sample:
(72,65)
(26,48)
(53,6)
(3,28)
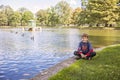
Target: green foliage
(21,11)
(42,16)
(53,18)
(3,19)
(118,11)
(100,12)
(64,11)
(75,16)
(105,66)
(15,18)
(26,16)
(7,11)
(92,13)
(60,14)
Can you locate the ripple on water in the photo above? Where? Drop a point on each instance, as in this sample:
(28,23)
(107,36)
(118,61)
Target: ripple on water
(1,72)
(23,79)
(4,68)
(26,74)
(2,76)
(14,65)
(14,69)
(1,62)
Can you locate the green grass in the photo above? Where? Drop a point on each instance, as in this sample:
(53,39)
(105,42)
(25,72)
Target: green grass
(105,66)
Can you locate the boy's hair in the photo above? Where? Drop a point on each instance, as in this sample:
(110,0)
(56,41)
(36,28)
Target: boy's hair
(84,35)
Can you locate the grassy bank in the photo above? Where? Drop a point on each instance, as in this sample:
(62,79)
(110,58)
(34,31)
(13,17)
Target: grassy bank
(105,66)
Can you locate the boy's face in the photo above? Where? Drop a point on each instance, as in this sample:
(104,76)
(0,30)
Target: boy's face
(84,39)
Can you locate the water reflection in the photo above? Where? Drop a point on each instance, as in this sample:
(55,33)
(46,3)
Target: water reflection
(22,57)
(100,38)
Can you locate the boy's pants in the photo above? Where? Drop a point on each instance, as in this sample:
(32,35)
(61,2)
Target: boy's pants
(92,54)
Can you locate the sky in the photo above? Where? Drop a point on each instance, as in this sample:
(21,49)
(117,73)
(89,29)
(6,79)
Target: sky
(35,5)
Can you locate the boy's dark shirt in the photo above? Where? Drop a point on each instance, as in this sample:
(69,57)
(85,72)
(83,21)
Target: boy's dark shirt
(85,48)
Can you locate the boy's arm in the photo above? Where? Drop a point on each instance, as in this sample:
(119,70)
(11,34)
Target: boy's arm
(79,48)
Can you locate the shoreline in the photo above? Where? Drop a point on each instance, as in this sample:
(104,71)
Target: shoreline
(65,27)
(45,74)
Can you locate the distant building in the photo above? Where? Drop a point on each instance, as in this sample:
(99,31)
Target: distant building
(32,26)
(32,23)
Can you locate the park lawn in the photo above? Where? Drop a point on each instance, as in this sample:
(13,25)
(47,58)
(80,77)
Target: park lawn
(104,66)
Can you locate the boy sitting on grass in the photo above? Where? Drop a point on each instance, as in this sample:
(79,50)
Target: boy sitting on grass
(85,49)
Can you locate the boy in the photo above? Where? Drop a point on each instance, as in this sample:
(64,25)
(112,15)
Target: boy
(85,49)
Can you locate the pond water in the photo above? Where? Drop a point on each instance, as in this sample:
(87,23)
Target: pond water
(22,56)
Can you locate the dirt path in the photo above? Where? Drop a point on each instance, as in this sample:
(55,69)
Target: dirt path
(53,70)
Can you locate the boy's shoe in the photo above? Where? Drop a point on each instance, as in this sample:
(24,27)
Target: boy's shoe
(89,58)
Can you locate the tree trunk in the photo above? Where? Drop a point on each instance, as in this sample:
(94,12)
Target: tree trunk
(106,25)
(111,25)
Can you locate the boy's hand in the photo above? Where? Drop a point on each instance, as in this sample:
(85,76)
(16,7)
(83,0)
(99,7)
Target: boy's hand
(83,56)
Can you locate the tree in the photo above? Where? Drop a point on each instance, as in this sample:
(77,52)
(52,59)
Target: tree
(64,11)
(26,16)
(8,11)
(3,19)
(53,18)
(82,18)
(102,12)
(21,11)
(42,16)
(15,18)
(75,16)
(118,11)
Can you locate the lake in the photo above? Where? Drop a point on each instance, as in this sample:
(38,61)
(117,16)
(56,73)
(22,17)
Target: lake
(23,56)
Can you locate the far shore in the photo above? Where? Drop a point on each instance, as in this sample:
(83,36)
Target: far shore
(64,27)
